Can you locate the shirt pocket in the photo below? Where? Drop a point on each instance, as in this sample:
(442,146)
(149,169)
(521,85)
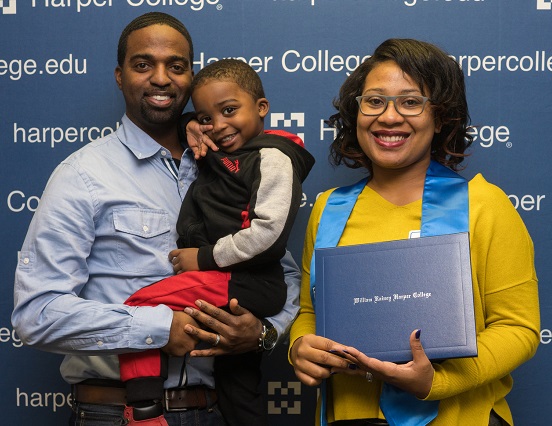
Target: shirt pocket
(143,240)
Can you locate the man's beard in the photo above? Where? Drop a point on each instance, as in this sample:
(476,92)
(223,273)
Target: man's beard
(156,117)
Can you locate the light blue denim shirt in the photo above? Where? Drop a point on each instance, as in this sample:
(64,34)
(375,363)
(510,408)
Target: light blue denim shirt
(103,229)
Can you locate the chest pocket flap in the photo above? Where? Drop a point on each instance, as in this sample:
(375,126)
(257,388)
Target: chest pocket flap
(145,223)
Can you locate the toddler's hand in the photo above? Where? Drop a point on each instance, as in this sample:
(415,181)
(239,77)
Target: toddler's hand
(198,141)
(184,260)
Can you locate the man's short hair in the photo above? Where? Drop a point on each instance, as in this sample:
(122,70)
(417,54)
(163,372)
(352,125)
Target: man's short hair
(146,20)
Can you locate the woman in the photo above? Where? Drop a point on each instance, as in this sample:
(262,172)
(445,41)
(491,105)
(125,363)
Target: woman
(400,112)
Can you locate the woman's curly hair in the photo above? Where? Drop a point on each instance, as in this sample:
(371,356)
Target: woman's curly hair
(438,76)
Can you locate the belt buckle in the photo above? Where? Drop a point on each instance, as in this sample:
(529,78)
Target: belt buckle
(166,405)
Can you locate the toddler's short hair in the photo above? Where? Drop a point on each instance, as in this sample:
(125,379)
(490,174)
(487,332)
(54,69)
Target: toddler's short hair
(233,70)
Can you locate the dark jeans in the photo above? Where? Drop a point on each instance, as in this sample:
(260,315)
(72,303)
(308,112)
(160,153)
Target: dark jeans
(237,379)
(111,415)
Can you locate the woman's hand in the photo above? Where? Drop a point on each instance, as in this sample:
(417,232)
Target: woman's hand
(314,358)
(415,377)
(233,332)
(198,141)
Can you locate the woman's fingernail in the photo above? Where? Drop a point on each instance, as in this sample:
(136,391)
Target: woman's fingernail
(418,334)
(353,366)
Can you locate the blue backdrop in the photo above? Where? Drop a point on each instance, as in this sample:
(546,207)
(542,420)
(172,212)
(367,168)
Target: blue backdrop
(57,92)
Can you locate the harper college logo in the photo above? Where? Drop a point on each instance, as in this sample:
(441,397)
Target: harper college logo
(544,4)
(8,7)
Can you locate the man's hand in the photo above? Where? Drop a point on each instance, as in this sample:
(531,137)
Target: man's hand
(180,343)
(198,141)
(239,330)
(184,260)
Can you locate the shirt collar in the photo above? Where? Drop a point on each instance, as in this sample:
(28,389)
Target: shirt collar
(135,139)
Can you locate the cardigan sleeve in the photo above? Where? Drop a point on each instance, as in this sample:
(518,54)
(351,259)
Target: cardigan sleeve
(306,320)
(505,295)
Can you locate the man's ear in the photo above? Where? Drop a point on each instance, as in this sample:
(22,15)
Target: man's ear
(118,72)
(263,105)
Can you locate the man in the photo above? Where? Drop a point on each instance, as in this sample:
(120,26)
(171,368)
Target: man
(104,228)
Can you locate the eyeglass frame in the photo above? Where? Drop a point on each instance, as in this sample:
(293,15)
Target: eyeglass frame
(425,100)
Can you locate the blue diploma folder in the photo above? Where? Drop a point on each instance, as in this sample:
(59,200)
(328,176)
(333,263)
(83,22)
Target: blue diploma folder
(372,296)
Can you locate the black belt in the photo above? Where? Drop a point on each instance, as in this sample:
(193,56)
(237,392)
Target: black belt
(175,399)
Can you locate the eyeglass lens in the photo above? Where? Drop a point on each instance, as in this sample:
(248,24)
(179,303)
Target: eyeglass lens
(405,105)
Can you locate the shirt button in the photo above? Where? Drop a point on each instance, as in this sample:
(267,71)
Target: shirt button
(26,261)
(145,228)
(164,153)
(149,340)
(100,343)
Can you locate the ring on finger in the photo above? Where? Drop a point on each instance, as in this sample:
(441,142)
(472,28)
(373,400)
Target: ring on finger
(369,376)
(217,340)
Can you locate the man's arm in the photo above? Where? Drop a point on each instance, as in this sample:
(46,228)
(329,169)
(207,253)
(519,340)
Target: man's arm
(61,305)
(282,322)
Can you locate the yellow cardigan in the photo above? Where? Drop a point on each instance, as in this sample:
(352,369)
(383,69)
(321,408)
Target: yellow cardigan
(506,306)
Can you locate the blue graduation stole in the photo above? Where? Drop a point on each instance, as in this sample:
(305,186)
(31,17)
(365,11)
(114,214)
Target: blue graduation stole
(444,211)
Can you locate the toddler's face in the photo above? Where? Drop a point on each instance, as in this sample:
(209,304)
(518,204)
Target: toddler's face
(235,116)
